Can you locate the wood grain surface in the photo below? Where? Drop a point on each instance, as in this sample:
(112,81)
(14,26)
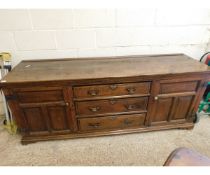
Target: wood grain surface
(70,98)
(93,68)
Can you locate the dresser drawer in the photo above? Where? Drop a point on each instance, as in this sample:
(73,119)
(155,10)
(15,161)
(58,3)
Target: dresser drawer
(111,106)
(39,96)
(112,90)
(111,122)
(176,87)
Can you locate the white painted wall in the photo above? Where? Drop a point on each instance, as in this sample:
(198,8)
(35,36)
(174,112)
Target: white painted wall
(39,34)
(32,34)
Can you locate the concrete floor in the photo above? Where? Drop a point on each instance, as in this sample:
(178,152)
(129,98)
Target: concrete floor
(150,148)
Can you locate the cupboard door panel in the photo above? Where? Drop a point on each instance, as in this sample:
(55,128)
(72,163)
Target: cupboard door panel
(57,117)
(34,119)
(182,107)
(163,109)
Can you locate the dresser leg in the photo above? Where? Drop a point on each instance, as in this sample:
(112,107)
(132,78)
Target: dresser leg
(24,142)
(188,127)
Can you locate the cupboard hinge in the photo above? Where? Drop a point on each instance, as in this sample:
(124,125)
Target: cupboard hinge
(10,97)
(23,130)
(205,84)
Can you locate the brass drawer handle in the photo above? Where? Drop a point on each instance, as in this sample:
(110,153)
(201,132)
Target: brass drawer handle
(131,90)
(113,86)
(112,101)
(113,117)
(93,92)
(127,122)
(94,109)
(94,125)
(130,107)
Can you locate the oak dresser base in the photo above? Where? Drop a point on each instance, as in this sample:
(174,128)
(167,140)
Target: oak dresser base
(74,98)
(27,139)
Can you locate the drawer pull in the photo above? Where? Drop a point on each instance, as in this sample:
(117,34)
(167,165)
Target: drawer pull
(113,86)
(112,101)
(127,122)
(130,107)
(67,104)
(131,90)
(94,109)
(113,117)
(94,125)
(93,92)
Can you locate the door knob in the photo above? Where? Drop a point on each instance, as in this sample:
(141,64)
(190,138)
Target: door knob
(156,98)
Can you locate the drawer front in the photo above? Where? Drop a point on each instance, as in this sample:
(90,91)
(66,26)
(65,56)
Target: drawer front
(111,106)
(190,86)
(40,96)
(111,122)
(112,90)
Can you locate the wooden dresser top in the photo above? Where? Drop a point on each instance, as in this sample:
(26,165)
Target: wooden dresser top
(93,68)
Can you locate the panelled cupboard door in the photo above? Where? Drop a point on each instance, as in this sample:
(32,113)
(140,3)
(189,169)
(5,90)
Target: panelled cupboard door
(34,120)
(46,119)
(44,110)
(173,101)
(172,109)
